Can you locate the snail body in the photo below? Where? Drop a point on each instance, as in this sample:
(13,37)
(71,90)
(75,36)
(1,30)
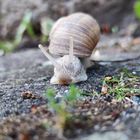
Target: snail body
(73,39)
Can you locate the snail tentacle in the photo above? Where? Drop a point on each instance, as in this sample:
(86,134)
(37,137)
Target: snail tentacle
(54,62)
(71,50)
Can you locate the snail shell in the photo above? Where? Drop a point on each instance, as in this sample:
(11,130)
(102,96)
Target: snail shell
(84,30)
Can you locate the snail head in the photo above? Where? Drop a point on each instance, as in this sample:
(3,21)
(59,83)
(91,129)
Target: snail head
(67,69)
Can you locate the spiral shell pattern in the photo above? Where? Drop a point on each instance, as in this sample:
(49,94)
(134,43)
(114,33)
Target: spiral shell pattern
(84,30)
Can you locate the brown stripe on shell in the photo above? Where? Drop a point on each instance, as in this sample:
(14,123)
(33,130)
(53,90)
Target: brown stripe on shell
(88,22)
(65,52)
(83,28)
(86,39)
(65,42)
(93,30)
(62,47)
(77,51)
(67,25)
(76,36)
(76,29)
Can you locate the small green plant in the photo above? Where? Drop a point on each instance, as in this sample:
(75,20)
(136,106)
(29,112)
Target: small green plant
(74,94)
(26,26)
(7,46)
(137,9)
(68,100)
(59,108)
(62,108)
(120,86)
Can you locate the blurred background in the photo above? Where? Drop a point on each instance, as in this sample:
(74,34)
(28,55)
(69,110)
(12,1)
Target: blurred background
(25,23)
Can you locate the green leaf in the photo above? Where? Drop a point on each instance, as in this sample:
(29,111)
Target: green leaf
(74,93)
(6,46)
(137,9)
(50,95)
(25,25)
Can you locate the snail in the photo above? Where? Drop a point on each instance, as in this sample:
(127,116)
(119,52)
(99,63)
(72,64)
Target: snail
(73,39)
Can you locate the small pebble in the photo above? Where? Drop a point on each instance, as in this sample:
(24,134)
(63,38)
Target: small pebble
(19,100)
(136,99)
(134,72)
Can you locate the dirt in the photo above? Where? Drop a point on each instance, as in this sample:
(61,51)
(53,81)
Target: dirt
(90,115)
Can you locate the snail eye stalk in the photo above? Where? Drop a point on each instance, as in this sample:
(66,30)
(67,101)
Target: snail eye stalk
(71,50)
(46,53)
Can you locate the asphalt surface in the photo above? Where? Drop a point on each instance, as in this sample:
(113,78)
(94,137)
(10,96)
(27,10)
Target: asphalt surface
(26,71)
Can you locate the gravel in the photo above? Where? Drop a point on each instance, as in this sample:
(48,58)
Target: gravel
(25,71)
